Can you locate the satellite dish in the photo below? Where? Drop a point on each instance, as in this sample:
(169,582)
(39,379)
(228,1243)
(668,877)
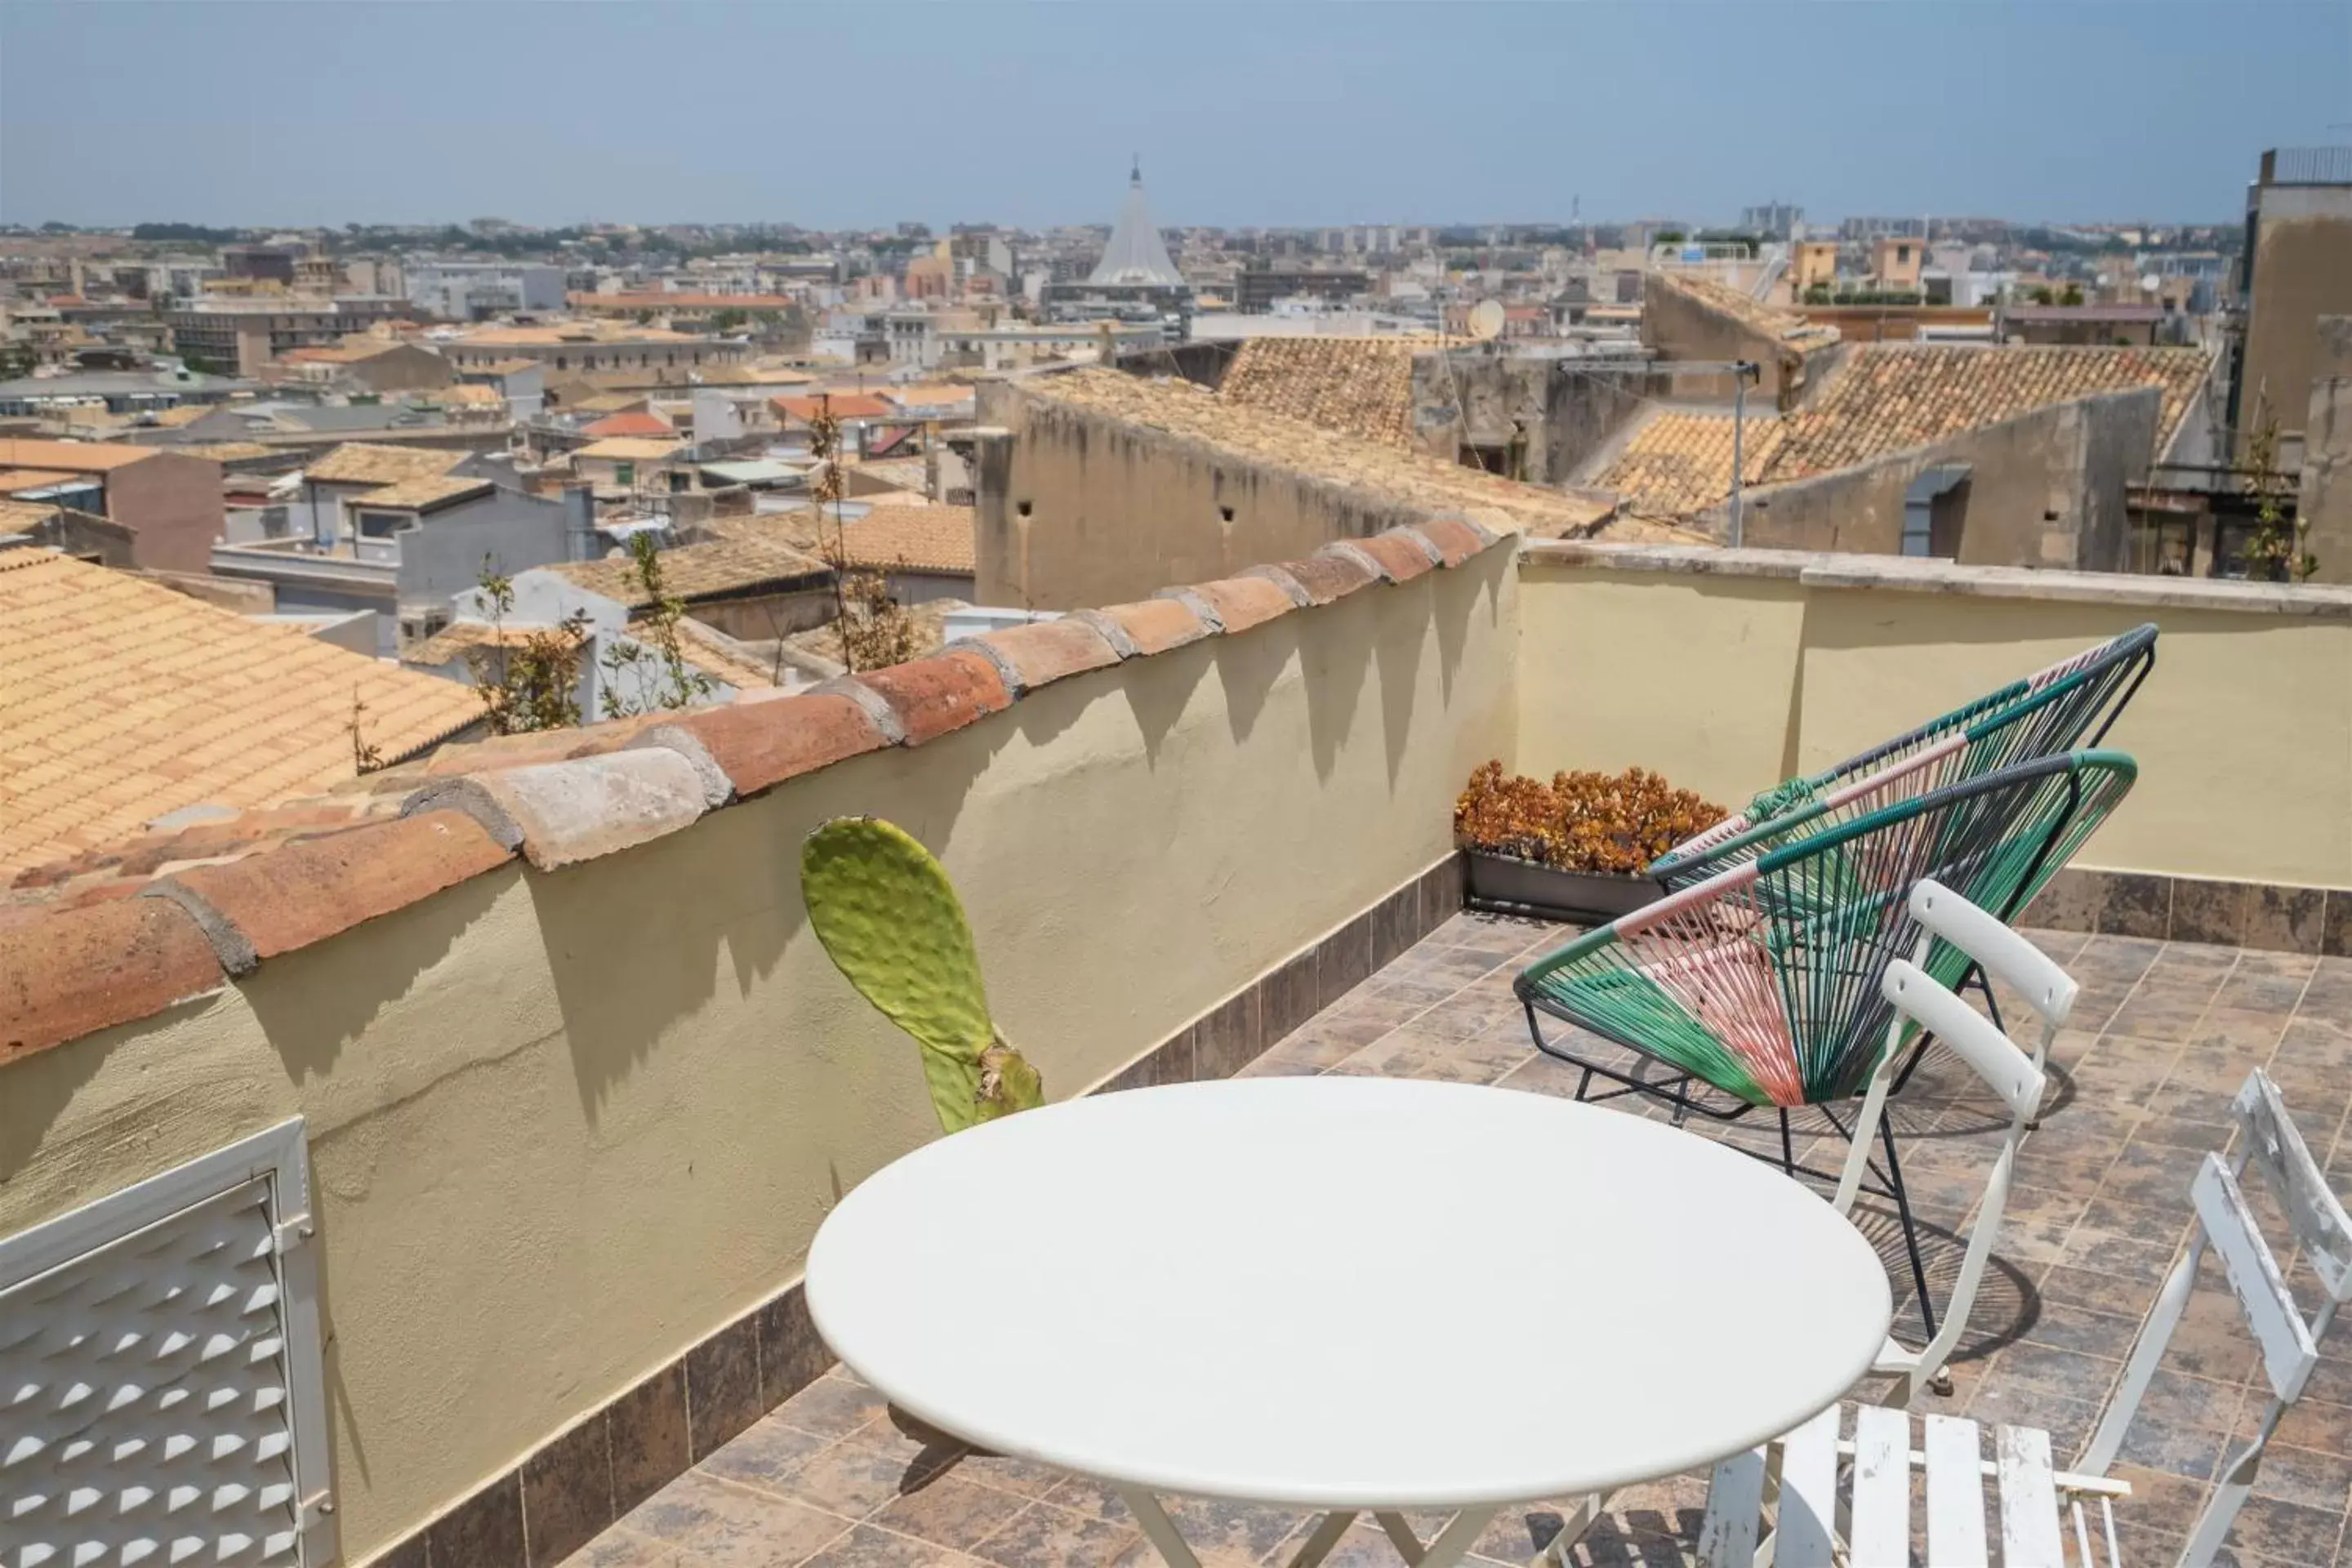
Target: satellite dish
(2149,283)
(1487,320)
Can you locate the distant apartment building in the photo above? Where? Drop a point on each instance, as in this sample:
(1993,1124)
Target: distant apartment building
(1773,220)
(1259,286)
(594,347)
(477,291)
(261,263)
(2296,268)
(241,334)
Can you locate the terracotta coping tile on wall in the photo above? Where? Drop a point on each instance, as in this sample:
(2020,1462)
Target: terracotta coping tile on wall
(287,897)
(1401,553)
(1329,578)
(761,744)
(1157,626)
(945,691)
(1245,602)
(1455,539)
(71,973)
(1046,651)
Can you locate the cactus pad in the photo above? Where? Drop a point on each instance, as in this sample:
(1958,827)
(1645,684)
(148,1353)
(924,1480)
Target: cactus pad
(890,920)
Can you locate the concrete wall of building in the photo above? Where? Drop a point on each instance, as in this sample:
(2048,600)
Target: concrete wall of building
(172,504)
(1754,667)
(1072,509)
(406,368)
(2302,272)
(565,1125)
(768,614)
(1561,410)
(1680,326)
(444,556)
(2325,507)
(2045,488)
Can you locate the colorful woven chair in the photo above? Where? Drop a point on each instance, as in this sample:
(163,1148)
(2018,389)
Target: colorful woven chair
(2068,706)
(1763,982)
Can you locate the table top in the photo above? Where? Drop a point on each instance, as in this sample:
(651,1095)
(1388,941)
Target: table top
(1344,1292)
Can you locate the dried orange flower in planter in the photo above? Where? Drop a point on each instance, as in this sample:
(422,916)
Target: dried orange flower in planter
(1614,823)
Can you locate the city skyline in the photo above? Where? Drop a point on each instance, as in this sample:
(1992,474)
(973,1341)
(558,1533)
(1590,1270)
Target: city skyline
(1292,116)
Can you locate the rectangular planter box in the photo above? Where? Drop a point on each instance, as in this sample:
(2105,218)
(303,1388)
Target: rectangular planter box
(1506,885)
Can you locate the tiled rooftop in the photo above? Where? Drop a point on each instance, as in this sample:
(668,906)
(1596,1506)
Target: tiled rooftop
(1883,398)
(921,538)
(744,559)
(1394,475)
(1357,386)
(2164,1034)
(126,700)
(381,463)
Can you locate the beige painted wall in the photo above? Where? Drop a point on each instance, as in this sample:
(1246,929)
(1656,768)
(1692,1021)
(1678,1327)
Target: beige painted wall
(1113,515)
(1727,683)
(565,1125)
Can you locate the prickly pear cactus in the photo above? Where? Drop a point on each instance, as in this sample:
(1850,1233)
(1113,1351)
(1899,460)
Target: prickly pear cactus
(890,918)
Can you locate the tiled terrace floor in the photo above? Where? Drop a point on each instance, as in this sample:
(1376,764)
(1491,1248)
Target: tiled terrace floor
(2165,1034)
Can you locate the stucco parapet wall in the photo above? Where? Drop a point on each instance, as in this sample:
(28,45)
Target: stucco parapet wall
(1895,574)
(113,936)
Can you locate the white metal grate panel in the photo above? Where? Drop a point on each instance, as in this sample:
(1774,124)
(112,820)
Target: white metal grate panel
(148,1390)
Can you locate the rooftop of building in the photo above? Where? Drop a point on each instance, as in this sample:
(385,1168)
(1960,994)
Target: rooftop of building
(631,422)
(745,559)
(70,457)
(128,701)
(425,492)
(1882,398)
(1184,409)
(914,538)
(1357,386)
(555,1014)
(380,463)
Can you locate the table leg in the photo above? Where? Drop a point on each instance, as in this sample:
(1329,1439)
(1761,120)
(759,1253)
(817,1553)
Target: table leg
(1450,1545)
(1157,1528)
(1318,1545)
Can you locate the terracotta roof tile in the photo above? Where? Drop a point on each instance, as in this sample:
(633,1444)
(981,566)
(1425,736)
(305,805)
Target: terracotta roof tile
(916,538)
(1355,386)
(631,449)
(128,701)
(380,463)
(425,490)
(1886,398)
(72,456)
(739,561)
(1890,397)
(634,422)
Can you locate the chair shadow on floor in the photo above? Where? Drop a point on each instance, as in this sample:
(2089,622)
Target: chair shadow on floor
(2008,1304)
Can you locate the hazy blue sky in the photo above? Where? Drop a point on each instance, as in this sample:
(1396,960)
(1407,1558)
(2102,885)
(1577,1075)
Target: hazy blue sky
(397,111)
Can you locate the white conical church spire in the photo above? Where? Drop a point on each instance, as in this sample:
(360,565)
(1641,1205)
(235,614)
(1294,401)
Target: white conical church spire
(1136,254)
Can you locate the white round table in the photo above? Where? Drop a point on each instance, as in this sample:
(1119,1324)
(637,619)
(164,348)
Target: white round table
(1347,1294)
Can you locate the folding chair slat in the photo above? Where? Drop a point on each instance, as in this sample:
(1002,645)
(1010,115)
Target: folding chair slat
(1735,1506)
(2288,1354)
(1955,1537)
(2275,1147)
(1881,1529)
(2030,1533)
(1809,1469)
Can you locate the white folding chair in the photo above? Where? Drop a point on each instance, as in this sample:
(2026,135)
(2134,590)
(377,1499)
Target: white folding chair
(2015,1078)
(2034,1532)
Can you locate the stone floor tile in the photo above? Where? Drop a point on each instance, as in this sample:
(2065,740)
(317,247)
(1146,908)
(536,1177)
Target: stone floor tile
(870,1546)
(951,1511)
(847,1479)
(1043,1536)
(719,1522)
(832,1406)
(764,1454)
